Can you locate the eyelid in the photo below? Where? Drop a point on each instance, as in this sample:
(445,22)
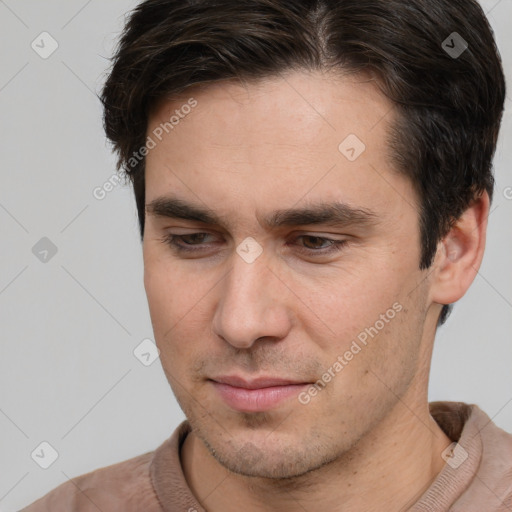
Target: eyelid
(334,245)
(293,235)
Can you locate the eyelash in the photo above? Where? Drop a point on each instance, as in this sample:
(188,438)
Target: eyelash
(334,245)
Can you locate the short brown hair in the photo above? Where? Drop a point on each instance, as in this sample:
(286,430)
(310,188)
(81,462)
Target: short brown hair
(449,106)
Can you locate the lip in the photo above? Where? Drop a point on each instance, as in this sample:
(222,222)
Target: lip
(256,395)
(259,383)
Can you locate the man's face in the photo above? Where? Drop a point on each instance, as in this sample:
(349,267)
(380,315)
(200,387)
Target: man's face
(228,318)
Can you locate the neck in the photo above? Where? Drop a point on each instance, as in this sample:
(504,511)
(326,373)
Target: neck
(388,469)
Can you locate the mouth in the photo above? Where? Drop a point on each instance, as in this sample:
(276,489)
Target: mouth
(256,395)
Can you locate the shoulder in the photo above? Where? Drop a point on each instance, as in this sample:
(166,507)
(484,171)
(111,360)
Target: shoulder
(125,486)
(491,487)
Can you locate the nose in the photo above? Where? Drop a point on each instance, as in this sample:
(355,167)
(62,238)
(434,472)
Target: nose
(252,305)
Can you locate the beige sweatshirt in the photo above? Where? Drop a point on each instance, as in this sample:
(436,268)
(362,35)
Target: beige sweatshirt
(154,482)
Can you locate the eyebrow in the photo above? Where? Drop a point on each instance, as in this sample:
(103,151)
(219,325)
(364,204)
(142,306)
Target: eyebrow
(330,214)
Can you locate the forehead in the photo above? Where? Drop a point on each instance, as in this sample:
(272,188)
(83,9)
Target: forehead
(307,104)
(275,140)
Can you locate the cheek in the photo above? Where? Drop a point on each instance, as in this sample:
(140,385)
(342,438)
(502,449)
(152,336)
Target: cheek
(371,321)
(390,341)
(161,289)
(177,304)
(169,299)
(349,303)
(171,290)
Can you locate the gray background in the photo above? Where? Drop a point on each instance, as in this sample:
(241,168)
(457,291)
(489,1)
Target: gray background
(68,375)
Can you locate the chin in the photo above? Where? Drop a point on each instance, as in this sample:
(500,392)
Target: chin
(264,457)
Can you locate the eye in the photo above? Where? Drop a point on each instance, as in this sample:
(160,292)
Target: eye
(312,243)
(184,243)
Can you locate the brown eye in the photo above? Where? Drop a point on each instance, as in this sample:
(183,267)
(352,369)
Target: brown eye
(193,239)
(315,241)
(320,245)
(190,242)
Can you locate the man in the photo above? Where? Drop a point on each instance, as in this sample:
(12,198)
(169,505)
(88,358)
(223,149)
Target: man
(313,181)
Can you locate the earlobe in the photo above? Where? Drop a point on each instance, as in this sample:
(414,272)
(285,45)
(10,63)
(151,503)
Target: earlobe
(460,253)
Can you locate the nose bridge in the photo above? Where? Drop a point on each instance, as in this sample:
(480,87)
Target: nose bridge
(250,305)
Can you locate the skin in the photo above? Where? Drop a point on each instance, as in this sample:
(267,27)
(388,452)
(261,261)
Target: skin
(367,440)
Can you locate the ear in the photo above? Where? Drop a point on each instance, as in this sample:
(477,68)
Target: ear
(460,253)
